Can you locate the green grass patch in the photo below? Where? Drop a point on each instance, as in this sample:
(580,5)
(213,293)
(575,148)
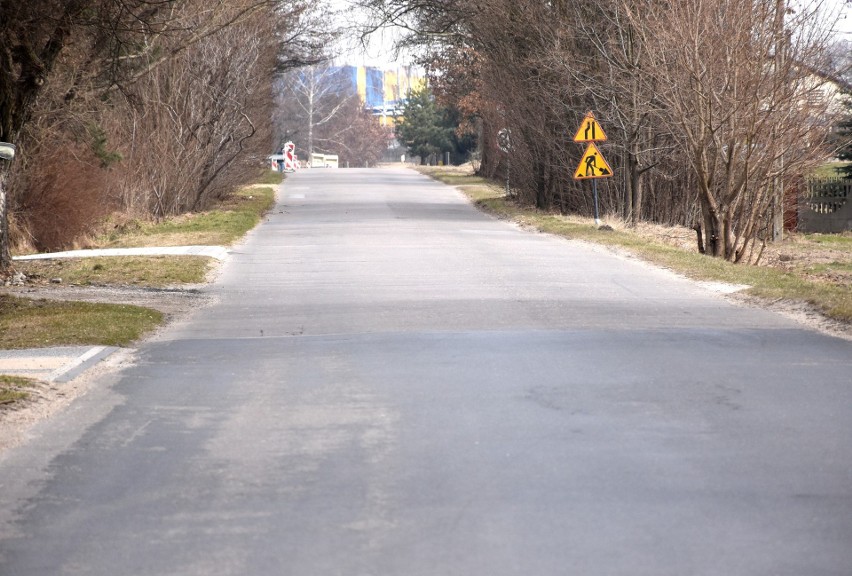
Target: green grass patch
(829,170)
(837,267)
(271,177)
(840,241)
(833,298)
(26,323)
(222,226)
(147,271)
(14,388)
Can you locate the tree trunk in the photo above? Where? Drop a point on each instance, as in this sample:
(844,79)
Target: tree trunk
(311,119)
(701,249)
(713,242)
(638,196)
(627,212)
(635,185)
(540,188)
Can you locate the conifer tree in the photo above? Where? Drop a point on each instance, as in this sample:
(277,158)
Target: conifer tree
(424,128)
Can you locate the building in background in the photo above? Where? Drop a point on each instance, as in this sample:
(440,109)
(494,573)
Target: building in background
(383,91)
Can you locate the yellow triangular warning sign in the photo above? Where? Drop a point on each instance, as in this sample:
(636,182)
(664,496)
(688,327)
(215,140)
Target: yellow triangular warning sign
(590,130)
(592,165)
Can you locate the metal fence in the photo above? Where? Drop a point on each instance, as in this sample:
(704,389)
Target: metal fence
(825,205)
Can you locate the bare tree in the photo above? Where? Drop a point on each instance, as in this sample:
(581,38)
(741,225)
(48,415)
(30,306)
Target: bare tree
(711,100)
(310,98)
(76,59)
(355,134)
(513,45)
(737,80)
(197,121)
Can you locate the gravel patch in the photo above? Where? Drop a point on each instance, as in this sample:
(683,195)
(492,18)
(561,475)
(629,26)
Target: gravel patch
(173,302)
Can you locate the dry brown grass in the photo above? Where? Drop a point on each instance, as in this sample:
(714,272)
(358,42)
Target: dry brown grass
(147,271)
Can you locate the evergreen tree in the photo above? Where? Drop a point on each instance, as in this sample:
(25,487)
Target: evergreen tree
(425,128)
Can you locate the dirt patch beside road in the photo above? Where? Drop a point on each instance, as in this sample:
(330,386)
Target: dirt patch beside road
(805,314)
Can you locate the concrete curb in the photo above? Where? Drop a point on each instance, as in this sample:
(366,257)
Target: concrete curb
(56,364)
(217,252)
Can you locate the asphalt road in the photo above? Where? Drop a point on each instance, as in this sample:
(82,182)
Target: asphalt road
(394,384)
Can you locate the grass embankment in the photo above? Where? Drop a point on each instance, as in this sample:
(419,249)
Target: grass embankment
(221,226)
(27,323)
(141,271)
(826,285)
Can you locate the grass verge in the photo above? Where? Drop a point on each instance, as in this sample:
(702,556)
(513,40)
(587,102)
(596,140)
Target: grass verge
(14,388)
(147,271)
(832,297)
(221,226)
(28,323)
(271,178)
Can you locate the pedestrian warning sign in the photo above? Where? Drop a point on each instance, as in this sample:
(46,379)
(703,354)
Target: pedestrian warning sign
(592,165)
(590,130)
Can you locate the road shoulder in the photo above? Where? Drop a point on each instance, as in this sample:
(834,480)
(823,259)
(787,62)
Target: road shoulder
(63,374)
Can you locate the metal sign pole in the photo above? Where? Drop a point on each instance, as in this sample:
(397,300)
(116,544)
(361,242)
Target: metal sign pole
(595,188)
(508,170)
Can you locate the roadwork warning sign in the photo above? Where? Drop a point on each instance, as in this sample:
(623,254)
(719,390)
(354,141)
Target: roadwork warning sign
(590,130)
(592,165)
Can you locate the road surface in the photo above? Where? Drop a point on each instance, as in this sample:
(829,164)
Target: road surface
(391,383)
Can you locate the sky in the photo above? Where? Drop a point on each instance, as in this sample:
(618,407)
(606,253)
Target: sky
(844,25)
(380,51)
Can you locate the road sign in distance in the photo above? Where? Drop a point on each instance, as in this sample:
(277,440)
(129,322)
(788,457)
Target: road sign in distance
(504,140)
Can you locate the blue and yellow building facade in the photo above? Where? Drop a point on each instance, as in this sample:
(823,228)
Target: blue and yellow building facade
(384,90)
